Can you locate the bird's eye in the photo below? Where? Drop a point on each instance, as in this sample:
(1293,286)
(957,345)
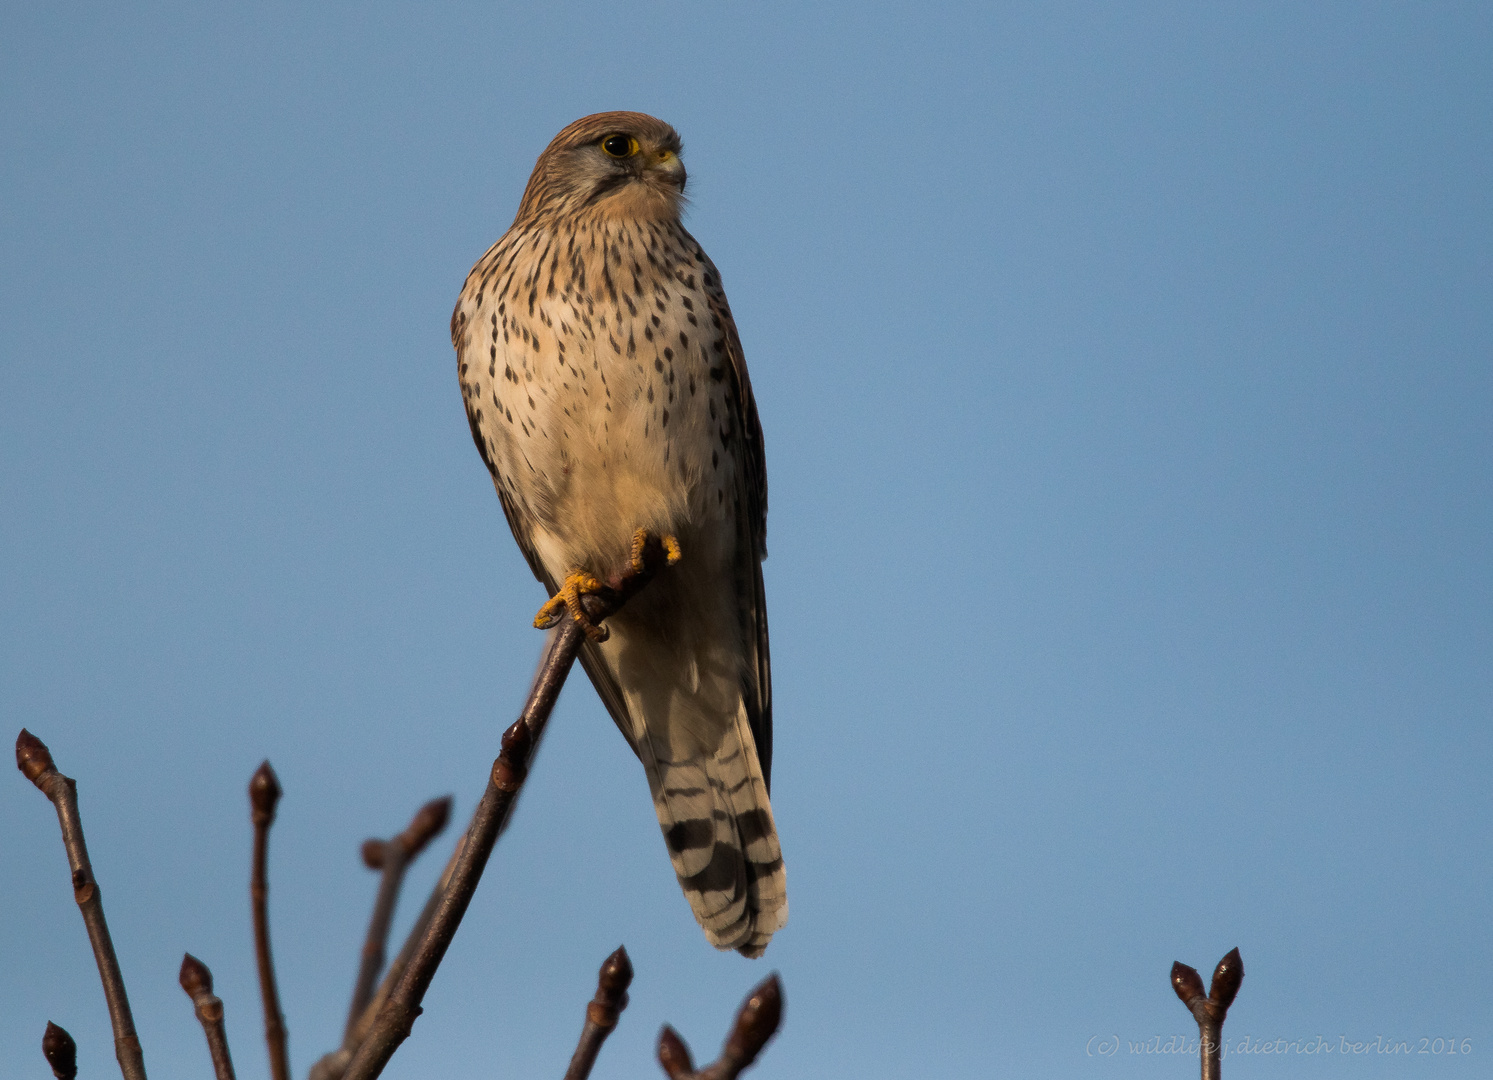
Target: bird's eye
(619,146)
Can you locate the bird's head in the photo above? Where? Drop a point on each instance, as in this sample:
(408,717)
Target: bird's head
(614,164)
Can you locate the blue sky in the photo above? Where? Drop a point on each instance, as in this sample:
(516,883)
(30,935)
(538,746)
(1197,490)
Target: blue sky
(1125,375)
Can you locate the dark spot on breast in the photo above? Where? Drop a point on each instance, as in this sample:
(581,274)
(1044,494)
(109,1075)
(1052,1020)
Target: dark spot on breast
(666,423)
(658,364)
(650,392)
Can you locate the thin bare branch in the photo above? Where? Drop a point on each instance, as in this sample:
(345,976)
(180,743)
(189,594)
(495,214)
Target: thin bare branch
(756,1022)
(602,1012)
(35,761)
(331,1066)
(61,1052)
(197,981)
(1210,1011)
(264,795)
(393,857)
(397,1015)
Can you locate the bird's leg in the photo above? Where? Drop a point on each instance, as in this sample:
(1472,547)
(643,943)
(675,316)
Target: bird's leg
(568,598)
(640,539)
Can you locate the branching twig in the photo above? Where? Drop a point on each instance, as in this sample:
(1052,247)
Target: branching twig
(35,761)
(756,1022)
(61,1052)
(264,793)
(333,1065)
(1209,1011)
(391,856)
(397,1015)
(197,981)
(602,1012)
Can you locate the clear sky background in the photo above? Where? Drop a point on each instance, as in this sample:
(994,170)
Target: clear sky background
(1127,379)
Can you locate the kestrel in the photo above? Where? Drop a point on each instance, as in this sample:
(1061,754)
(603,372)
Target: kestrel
(607,393)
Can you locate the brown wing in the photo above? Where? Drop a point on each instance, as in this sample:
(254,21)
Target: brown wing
(752,523)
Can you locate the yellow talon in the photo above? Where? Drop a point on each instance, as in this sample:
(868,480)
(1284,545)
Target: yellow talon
(672,551)
(568,598)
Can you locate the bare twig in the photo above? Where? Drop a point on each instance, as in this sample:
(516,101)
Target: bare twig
(602,1012)
(61,1052)
(197,981)
(756,1022)
(35,761)
(1210,1011)
(391,856)
(333,1065)
(264,794)
(397,1015)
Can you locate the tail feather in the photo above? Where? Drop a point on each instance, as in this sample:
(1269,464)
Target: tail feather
(717,822)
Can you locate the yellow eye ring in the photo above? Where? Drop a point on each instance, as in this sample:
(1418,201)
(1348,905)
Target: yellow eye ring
(619,146)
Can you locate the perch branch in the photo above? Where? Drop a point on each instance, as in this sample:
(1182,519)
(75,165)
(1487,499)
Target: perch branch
(756,1022)
(61,1052)
(197,981)
(264,794)
(35,761)
(397,1015)
(393,857)
(1209,1011)
(602,1012)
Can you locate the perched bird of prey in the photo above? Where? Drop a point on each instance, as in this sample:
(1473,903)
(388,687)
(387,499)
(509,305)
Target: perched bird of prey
(607,393)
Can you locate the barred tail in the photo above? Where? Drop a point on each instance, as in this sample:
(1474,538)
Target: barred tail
(717,822)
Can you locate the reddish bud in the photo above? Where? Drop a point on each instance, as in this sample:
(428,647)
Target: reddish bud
(194,977)
(615,976)
(1226,979)
(61,1052)
(264,793)
(33,759)
(373,854)
(673,1055)
(756,1022)
(518,743)
(1187,983)
(426,825)
(512,766)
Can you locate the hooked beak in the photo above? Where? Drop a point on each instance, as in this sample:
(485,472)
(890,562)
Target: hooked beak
(666,164)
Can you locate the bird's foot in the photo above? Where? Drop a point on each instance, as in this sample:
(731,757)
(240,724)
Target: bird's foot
(640,542)
(577,585)
(643,563)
